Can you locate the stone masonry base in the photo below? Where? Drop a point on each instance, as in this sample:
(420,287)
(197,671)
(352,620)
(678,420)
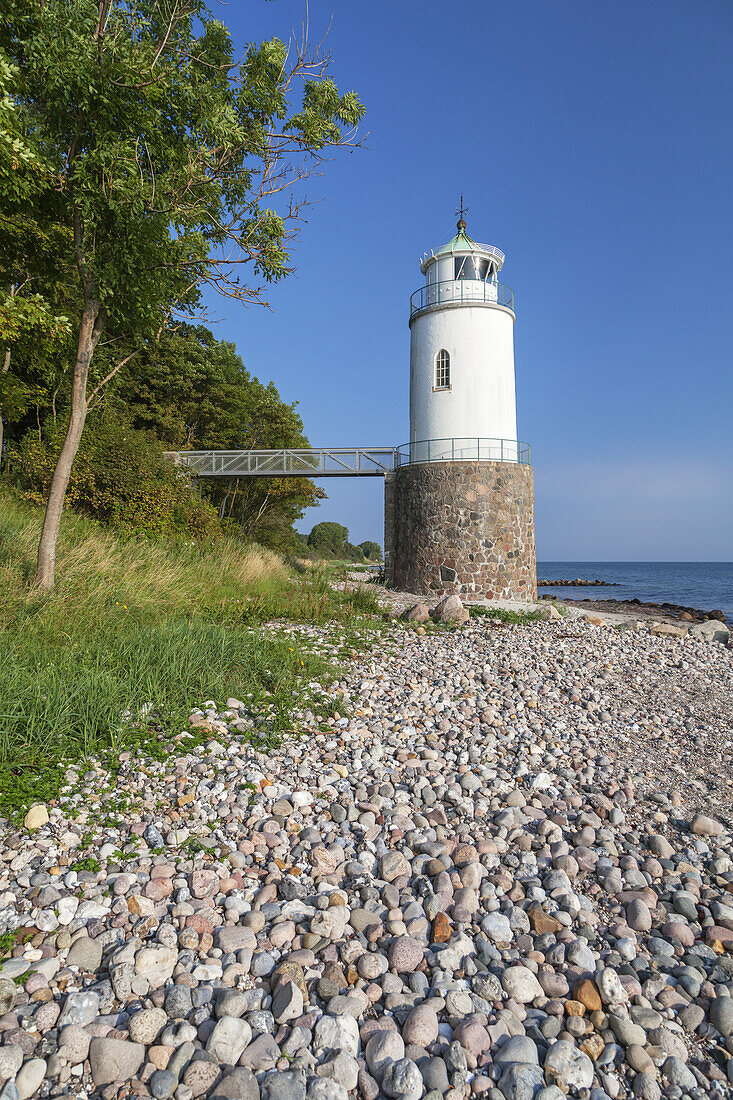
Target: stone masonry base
(461,527)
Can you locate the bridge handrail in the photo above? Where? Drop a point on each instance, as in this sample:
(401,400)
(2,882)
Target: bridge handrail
(290,461)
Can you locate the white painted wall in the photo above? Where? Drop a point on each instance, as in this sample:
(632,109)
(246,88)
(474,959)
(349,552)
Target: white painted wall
(481,400)
(441,269)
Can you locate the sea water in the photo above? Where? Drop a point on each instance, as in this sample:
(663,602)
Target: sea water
(707,585)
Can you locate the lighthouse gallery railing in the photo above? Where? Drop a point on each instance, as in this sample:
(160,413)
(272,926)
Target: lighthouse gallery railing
(467,449)
(458,291)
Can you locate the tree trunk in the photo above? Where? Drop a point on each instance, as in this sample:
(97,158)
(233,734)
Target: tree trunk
(89,333)
(222,510)
(5,369)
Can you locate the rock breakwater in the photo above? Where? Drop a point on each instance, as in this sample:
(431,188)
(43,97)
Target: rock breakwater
(578,583)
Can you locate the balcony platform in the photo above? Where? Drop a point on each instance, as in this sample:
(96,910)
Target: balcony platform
(461,292)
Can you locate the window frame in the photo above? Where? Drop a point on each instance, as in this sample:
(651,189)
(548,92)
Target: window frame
(442,371)
(464,267)
(473,268)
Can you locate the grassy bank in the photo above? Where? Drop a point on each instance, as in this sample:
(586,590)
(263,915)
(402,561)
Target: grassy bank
(134,634)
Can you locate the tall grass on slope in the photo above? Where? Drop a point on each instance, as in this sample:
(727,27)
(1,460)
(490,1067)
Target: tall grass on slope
(135,628)
(103,571)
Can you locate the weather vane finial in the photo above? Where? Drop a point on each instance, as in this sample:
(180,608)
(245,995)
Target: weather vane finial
(462,211)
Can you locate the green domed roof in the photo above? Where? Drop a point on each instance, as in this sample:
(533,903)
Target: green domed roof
(460,242)
(463,243)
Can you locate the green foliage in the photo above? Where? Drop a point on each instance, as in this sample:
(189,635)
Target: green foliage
(364,599)
(194,392)
(35,330)
(13,938)
(352,553)
(87,863)
(159,146)
(500,614)
(183,390)
(19,163)
(139,162)
(29,317)
(328,538)
(192,846)
(371,550)
(31,327)
(134,634)
(121,478)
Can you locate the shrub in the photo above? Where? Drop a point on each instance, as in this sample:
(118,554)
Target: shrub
(120,477)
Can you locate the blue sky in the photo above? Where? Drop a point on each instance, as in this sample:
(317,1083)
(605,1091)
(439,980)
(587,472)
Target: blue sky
(593,145)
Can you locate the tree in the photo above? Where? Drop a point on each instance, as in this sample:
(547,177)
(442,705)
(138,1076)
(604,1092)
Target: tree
(371,550)
(329,539)
(194,392)
(26,325)
(26,318)
(164,155)
(351,552)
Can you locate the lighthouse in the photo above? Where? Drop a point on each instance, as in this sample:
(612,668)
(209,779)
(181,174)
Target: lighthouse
(459,507)
(462,352)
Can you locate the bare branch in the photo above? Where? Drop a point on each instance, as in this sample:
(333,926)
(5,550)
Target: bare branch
(108,378)
(99,30)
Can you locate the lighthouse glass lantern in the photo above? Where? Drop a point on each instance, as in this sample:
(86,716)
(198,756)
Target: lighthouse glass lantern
(462,396)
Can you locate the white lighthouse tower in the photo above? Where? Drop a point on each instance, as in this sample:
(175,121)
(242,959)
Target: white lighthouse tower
(459,505)
(462,401)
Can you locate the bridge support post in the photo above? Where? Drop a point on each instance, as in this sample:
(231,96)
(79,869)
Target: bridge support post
(461,527)
(389,526)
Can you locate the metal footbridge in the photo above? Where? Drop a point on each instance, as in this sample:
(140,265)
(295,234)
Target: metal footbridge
(347,461)
(323,462)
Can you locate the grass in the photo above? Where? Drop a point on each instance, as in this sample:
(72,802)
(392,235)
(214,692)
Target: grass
(9,940)
(504,616)
(88,863)
(135,634)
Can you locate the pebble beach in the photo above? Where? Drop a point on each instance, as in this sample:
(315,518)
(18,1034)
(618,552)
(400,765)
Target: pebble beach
(503,869)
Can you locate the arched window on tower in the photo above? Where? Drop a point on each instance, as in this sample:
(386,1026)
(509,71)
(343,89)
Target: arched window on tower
(442,370)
